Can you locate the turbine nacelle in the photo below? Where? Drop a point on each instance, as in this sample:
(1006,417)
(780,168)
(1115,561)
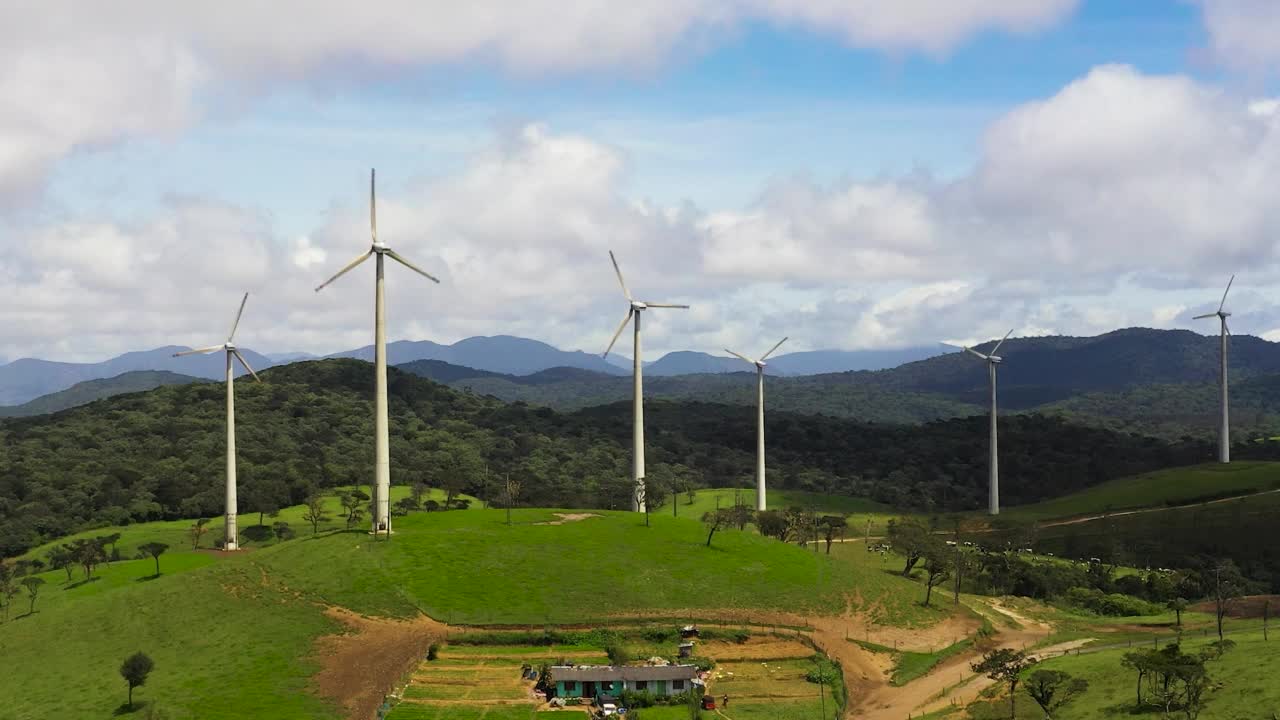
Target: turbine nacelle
(637,305)
(991,357)
(634,307)
(760,364)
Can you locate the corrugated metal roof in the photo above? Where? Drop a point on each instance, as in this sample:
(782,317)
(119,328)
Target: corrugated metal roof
(599,673)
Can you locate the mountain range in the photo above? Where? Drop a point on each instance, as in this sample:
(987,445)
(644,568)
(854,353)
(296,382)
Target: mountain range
(24,380)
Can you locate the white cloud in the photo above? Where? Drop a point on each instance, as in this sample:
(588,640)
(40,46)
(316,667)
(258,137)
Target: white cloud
(76,74)
(1242,33)
(1091,209)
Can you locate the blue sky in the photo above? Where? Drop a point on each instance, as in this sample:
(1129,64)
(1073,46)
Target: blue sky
(813,162)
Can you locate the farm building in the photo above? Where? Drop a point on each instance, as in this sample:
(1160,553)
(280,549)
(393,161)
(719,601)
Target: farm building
(588,681)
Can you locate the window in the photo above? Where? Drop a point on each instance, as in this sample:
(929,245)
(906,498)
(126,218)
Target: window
(641,685)
(677,685)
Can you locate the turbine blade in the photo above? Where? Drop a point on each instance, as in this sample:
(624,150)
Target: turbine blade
(618,270)
(200,351)
(997,347)
(396,256)
(240,312)
(625,320)
(775,347)
(975,353)
(1224,293)
(373,204)
(1201,317)
(245,363)
(666,305)
(363,256)
(740,355)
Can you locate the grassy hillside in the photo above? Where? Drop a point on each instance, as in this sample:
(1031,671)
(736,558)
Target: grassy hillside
(1175,486)
(235,632)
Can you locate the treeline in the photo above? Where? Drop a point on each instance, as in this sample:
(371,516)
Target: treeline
(159,454)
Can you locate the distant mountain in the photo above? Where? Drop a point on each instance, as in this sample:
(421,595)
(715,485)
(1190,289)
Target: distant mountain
(686,362)
(26,379)
(443,372)
(817,362)
(499,353)
(86,392)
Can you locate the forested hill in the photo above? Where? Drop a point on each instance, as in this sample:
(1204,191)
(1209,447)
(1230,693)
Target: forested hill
(159,454)
(1158,382)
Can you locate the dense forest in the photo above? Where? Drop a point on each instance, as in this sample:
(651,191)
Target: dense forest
(159,454)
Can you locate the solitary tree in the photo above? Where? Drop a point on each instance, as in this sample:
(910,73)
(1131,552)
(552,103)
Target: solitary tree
(282,530)
(1005,666)
(832,525)
(155,550)
(909,538)
(511,495)
(135,670)
(1225,585)
(197,531)
(88,554)
(716,520)
(353,502)
(1178,606)
(32,584)
(937,567)
(1051,689)
(314,512)
(60,559)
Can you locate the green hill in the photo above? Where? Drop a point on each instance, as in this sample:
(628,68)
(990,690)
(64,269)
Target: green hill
(234,636)
(1171,487)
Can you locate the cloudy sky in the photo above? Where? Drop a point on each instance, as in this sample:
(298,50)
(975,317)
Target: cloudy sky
(852,173)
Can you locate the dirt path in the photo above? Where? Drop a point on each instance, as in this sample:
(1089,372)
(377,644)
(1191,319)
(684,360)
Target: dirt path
(952,682)
(359,666)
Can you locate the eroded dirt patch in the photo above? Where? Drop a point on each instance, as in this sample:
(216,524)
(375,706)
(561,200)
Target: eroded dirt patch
(359,667)
(1246,607)
(568,518)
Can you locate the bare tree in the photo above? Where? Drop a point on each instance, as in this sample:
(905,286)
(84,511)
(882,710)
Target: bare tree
(511,495)
(197,531)
(314,512)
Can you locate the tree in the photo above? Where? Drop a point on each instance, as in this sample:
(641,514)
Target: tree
(1005,666)
(511,495)
(314,512)
(1178,606)
(937,566)
(832,525)
(32,584)
(155,550)
(60,558)
(8,585)
(1141,662)
(353,502)
(88,554)
(772,523)
(1225,584)
(282,530)
(135,670)
(1051,689)
(909,538)
(197,531)
(715,520)
(111,540)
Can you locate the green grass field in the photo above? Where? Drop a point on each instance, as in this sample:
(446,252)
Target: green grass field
(1175,486)
(1245,685)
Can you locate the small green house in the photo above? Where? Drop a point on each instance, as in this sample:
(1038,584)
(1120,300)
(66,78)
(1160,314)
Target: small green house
(591,681)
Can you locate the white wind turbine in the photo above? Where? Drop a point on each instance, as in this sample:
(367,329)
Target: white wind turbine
(759,364)
(230,541)
(1224,430)
(634,309)
(992,361)
(382,451)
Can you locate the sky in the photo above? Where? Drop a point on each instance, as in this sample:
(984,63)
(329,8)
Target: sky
(849,173)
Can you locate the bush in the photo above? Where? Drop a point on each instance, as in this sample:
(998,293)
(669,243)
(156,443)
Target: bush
(1112,604)
(433,651)
(704,664)
(618,653)
(632,699)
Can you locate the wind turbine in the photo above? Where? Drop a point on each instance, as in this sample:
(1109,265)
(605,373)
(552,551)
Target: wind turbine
(634,309)
(992,361)
(1224,430)
(760,364)
(382,443)
(230,541)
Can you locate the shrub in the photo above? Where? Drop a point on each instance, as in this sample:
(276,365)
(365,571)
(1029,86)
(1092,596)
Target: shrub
(433,651)
(618,653)
(632,699)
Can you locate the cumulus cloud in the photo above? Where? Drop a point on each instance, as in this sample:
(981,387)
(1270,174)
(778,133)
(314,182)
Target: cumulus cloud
(1242,33)
(76,74)
(1088,210)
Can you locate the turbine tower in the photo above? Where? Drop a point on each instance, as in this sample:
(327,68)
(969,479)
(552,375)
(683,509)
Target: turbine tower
(382,451)
(993,464)
(230,541)
(634,309)
(759,364)
(1224,430)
